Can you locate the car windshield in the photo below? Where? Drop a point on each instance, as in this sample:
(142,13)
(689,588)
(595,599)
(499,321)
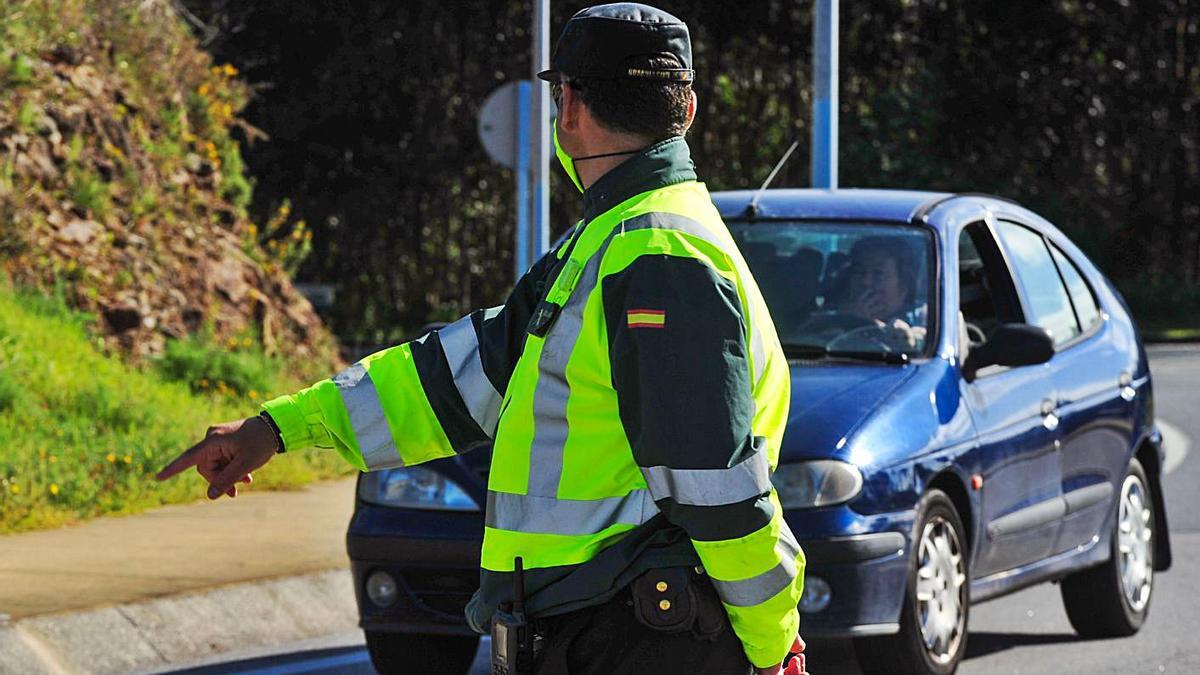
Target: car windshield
(858,290)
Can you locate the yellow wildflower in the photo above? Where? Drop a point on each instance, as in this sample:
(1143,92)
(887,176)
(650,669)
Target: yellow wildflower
(111,458)
(203,90)
(16,489)
(53,459)
(229,70)
(253,395)
(246,342)
(54,488)
(128,459)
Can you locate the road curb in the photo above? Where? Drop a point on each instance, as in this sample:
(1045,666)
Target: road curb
(155,635)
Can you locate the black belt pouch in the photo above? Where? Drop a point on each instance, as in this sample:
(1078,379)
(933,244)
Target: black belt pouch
(676,600)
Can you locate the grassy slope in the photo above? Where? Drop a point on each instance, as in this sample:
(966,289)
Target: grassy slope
(82,433)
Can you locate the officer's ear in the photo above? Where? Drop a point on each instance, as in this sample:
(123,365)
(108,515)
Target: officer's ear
(691,113)
(571,110)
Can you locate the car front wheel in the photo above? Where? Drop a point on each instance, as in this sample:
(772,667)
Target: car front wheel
(933,620)
(1113,598)
(405,653)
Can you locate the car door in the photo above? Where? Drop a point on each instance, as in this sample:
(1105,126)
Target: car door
(1093,375)
(1013,410)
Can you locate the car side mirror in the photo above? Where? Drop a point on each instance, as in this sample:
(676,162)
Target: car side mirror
(1011,344)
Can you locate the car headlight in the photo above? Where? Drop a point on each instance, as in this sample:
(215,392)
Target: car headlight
(821,482)
(415,488)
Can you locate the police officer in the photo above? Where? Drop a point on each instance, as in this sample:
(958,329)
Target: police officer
(632,388)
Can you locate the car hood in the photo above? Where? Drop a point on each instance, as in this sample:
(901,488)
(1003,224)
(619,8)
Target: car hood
(831,400)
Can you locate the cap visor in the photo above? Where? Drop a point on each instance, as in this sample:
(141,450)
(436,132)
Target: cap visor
(550,75)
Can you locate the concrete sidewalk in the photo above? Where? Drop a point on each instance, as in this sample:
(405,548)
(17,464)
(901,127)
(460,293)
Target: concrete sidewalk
(62,588)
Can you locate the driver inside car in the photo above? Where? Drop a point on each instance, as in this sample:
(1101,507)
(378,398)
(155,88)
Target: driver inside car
(882,287)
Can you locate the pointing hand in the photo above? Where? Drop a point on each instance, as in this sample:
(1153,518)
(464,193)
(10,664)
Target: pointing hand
(227,455)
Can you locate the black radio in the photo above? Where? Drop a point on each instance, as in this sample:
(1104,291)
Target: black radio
(512,635)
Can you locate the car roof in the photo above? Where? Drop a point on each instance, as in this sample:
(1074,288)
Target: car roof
(817,204)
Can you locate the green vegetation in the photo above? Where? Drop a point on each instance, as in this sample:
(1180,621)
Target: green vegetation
(1167,312)
(82,432)
(237,367)
(123,201)
(110,112)
(1084,111)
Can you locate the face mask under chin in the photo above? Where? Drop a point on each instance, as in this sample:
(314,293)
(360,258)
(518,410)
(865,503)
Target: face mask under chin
(568,164)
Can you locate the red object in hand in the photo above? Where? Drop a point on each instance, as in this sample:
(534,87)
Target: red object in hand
(795,666)
(795,663)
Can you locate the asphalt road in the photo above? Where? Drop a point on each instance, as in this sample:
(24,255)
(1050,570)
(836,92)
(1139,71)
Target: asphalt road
(1026,633)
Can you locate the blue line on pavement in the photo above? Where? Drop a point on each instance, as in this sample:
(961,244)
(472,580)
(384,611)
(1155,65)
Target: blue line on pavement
(311,666)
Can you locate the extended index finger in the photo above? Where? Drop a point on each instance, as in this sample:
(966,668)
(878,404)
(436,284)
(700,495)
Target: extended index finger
(186,460)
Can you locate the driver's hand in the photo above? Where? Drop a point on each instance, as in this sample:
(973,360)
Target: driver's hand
(869,305)
(227,455)
(908,334)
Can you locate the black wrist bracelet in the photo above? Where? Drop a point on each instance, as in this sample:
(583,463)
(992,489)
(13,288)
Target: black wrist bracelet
(275,430)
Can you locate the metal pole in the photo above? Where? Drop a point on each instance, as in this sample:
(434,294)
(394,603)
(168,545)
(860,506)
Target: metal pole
(521,258)
(539,239)
(825,102)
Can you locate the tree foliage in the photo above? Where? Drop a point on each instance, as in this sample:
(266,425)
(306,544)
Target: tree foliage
(1084,111)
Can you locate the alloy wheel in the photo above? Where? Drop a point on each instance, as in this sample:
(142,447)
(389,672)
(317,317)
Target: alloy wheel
(1135,530)
(941,590)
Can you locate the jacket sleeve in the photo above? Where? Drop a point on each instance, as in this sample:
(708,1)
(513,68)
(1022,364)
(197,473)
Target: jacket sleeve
(433,397)
(678,345)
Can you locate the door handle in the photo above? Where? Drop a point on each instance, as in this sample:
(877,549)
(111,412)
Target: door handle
(1125,384)
(1049,419)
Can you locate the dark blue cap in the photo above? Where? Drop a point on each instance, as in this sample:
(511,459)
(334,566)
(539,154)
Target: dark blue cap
(618,41)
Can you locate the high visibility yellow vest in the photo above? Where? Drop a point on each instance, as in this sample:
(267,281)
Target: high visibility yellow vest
(564,484)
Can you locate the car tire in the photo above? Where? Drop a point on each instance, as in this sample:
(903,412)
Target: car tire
(1113,599)
(405,653)
(936,599)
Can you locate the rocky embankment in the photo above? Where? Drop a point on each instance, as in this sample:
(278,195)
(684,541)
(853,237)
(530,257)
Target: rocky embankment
(121,185)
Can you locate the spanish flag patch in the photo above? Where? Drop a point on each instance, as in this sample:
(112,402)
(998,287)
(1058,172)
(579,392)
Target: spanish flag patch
(646,318)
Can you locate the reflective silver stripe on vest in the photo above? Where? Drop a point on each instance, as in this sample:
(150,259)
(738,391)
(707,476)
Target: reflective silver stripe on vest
(460,344)
(713,487)
(371,428)
(532,514)
(758,589)
(674,221)
(553,389)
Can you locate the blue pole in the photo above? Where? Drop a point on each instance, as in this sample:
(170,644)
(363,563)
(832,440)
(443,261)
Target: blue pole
(825,100)
(540,132)
(521,259)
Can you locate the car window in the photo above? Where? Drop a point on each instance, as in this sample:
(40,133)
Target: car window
(1086,309)
(986,294)
(855,287)
(1049,304)
(974,292)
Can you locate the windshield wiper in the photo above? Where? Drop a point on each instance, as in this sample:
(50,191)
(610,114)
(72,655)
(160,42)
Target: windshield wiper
(815,351)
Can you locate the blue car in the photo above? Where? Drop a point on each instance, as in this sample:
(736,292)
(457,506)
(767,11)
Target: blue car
(971,414)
